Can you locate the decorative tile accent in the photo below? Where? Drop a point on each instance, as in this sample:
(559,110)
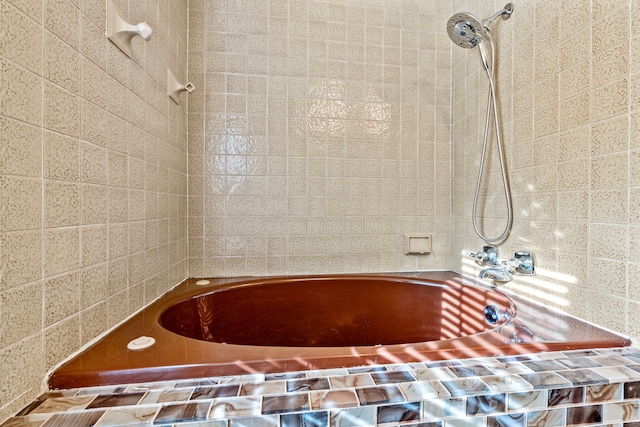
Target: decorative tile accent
(545,380)
(109,400)
(379,395)
(307,384)
(334,398)
(285,403)
(182,413)
(212,392)
(466,387)
(235,407)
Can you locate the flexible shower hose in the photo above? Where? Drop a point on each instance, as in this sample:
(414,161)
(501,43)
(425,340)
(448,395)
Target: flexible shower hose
(491,107)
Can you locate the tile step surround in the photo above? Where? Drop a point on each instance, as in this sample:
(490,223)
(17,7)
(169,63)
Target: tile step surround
(599,387)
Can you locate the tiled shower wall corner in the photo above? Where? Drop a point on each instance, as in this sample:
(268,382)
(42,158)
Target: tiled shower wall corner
(92,178)
(320,136)
(569,91)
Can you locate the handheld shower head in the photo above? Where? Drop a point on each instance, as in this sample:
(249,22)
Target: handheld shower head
(465,30)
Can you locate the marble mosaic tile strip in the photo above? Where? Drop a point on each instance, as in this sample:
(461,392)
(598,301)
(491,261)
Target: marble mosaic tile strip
(527,401)
(583,377)
(621,411)
(509,368)
(544,365)
(395,377)
(241,379)
(444,408)
(366,369)
(379,395)
(110,400)
(364,416)
(151,386)
(610,360)
(285,376)
(201,382)
(266,421)
(565,396)
(75,419)
(208,423)
(470,371)
(617,373)
(166,396)
(466,387)
(424,390)
(307,384)
(170,414)
(443,363)
(396,414)
(582,415)
(57,393)
(579,362)
(216,391)
(263,388)
(434,374)
(330,399)
(580,353)
(30,407)
(594,388)
(23,422)
(235,407)
(507,383)
(633,357)
(307,419)
(350,381)
(486,404)
(336,372)
(603,393)
(513,359)
(118,389)
(429,424)
(121,416)
(546,418)
(285,403)
(541,380)
(62,404)
(509,420)
(632,390)
(406,366)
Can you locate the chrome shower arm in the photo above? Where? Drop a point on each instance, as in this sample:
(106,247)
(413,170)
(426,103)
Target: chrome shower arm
(506,12)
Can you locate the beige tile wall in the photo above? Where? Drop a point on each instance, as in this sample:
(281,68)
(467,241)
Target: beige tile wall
(569,93)
(321,136)
(92,178)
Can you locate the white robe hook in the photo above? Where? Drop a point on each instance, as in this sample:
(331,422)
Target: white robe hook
(120,32)
(174,88)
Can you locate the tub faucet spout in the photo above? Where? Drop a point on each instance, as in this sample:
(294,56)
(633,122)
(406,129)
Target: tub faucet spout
(496,274)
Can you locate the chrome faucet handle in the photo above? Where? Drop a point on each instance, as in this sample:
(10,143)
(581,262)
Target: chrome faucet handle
(522,263)
(488,255)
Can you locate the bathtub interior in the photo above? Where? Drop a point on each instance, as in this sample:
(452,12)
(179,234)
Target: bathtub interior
(335,311)
(531,328)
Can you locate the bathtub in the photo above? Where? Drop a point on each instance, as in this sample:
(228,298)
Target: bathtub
(281,324)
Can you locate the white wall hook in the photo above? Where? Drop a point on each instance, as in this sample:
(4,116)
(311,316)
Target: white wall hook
(120,32)
(174,88)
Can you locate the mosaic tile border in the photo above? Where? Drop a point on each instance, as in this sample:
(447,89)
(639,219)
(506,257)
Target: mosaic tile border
(560,389)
